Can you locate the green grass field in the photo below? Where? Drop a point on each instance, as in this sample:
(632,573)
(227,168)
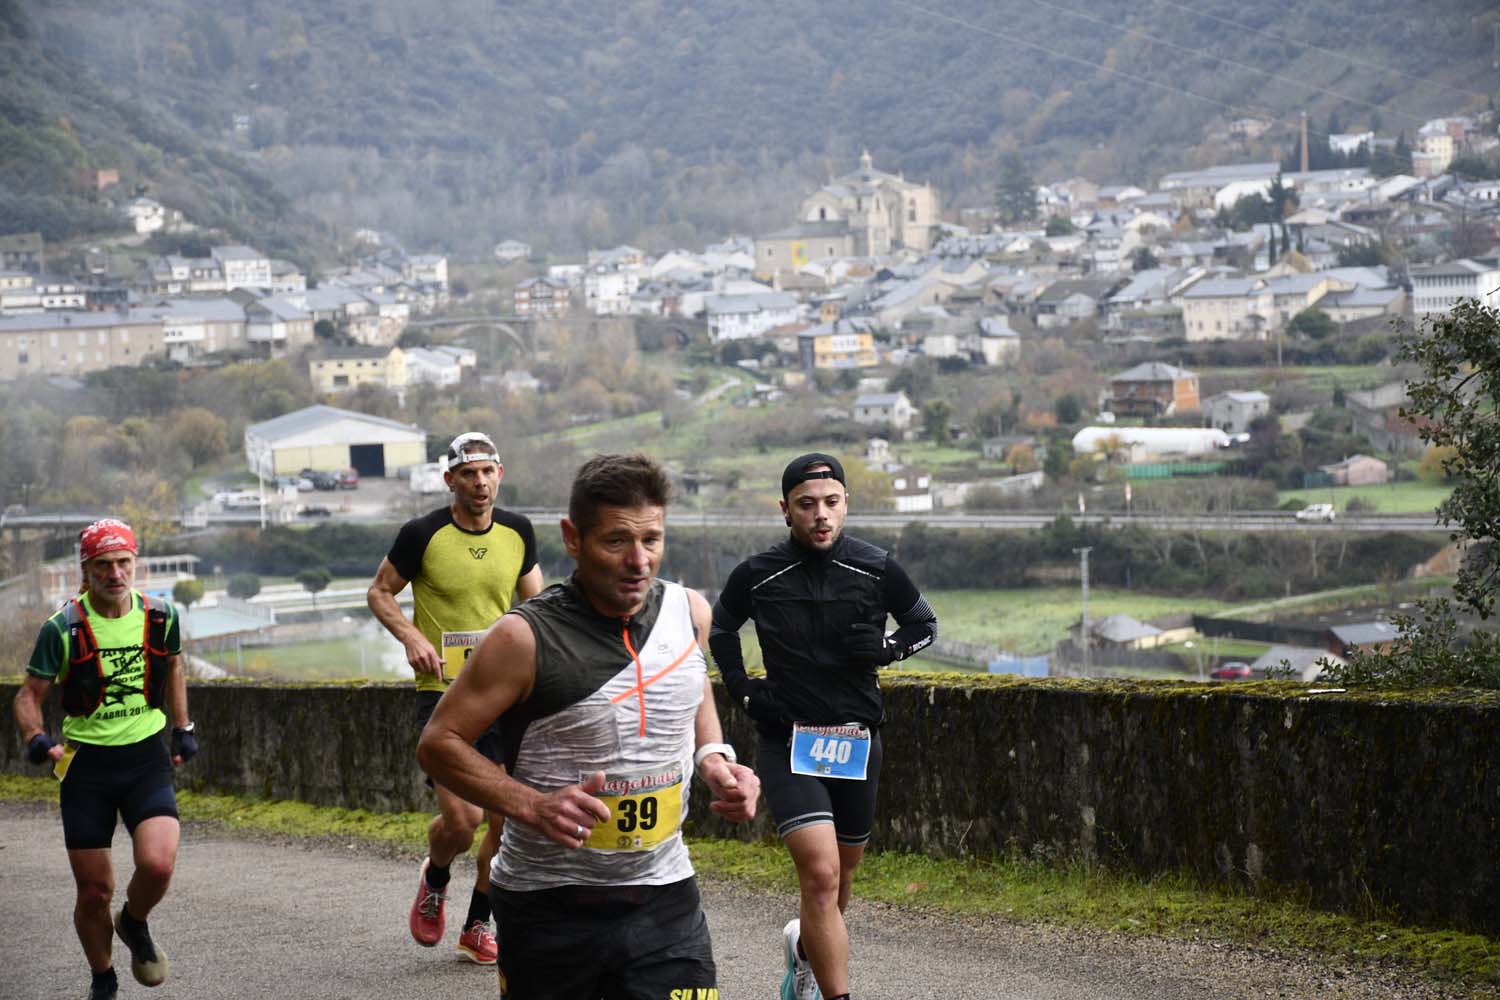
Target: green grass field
(348,658)
(1346,377)
(1033,620)
(1387,498)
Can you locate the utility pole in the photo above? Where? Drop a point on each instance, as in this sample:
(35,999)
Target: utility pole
(1084,636)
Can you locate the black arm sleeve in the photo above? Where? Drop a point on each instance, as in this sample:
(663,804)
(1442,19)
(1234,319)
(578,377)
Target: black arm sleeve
(730,612)
(406,552)
(915,620)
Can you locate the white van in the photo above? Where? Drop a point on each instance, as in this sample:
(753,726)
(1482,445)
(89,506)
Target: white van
(238,500)
(1316,512)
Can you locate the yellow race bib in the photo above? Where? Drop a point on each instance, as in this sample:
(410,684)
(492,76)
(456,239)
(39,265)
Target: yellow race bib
(645,809)
(457,646)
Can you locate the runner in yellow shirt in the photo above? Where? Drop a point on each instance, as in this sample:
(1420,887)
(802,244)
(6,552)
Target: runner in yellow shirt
(465,563)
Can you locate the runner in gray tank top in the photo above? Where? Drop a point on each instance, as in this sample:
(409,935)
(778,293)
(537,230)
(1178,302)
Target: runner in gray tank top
(600,689)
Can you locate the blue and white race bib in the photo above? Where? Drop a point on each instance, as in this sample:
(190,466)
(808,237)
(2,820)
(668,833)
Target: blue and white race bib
(831,751)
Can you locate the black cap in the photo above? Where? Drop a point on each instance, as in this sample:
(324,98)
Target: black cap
(796,471)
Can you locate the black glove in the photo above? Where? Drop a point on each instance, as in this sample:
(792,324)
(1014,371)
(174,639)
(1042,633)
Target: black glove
(868,646)
(759,701)
(37,747)
(184,744)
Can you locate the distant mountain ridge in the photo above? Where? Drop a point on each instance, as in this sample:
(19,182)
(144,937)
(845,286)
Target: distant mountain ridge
(570,124)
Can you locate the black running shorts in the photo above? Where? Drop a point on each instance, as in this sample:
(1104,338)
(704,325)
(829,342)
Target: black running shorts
(133,782)
(487,744)
(639,942)
(799,800)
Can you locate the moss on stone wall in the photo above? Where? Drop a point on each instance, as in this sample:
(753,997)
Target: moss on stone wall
(1351,797)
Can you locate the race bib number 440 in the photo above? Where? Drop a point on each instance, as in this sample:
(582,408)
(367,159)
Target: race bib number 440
(831,751)
(645,809)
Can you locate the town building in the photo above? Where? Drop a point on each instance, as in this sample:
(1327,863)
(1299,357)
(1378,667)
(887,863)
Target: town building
(1153,389)
(1233,412)
(1437,288)
(327,438)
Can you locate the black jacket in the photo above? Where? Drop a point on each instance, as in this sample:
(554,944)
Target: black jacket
(804,603)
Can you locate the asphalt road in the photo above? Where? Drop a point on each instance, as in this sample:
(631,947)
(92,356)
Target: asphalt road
(255,919)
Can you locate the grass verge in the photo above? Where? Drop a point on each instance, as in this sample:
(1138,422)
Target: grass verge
(1071,896)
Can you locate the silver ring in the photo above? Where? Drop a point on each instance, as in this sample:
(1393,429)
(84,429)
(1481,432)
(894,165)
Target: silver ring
(578,833)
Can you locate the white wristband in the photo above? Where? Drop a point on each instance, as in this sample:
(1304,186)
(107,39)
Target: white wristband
(708,748)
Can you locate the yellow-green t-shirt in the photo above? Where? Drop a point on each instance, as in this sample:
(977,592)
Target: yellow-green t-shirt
(123,716)
(461,581)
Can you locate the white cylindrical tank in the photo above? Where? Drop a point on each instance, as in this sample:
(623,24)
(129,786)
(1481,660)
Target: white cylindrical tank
(1152,442)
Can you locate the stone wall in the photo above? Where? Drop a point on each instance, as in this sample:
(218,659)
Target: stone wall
(1350,797)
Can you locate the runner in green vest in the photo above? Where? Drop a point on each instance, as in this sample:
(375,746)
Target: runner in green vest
(115,657)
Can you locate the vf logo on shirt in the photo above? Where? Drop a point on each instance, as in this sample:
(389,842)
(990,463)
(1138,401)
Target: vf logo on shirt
(478,553)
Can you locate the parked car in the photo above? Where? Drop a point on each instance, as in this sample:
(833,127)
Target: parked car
(348,479)
(1316,512)
(325,480)
(314,512)
(1232,671)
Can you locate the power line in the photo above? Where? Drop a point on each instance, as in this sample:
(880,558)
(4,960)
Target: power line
(1191,50)
(1018,40)
(1318,48)
(1240,109)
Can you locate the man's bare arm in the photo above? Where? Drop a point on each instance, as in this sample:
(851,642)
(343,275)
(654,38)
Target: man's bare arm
(530,585)
(735,786)
(381,597)
(499,675)
(28,711)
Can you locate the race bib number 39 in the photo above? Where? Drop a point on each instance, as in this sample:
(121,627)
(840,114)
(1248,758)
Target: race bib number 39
(456,649)
(645,809)
(831,751)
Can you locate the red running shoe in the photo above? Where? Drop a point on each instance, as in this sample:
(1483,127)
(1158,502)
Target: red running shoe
(427,921)
(477,944)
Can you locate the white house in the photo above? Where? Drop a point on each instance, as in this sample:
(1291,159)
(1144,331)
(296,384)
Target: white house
(911,489)
(1233,411)
(736,317)
(893,408)
(243,267)
(442,365)
(607,290)
(1439,287)
(145,215)
(998,341)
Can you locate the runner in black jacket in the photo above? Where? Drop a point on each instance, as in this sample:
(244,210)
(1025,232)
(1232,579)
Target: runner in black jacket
(820,601)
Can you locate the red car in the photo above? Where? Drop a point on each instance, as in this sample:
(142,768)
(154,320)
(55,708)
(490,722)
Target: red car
(1234,671)
(348,479)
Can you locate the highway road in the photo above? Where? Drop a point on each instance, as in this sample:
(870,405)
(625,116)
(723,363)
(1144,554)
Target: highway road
(1237,521)
(288,919)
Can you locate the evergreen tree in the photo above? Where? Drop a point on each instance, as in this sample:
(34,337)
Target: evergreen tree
(1015,198)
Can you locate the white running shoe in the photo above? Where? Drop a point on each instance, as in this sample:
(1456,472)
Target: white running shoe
(799,983)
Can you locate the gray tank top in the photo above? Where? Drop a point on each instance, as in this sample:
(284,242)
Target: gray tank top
(609,696)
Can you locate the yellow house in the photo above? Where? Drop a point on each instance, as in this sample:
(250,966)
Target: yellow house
(836,346)
(339,369)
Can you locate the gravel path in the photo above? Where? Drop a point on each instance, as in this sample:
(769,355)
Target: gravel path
(261,918)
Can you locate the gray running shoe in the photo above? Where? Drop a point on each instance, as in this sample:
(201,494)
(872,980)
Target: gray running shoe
(148,963)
